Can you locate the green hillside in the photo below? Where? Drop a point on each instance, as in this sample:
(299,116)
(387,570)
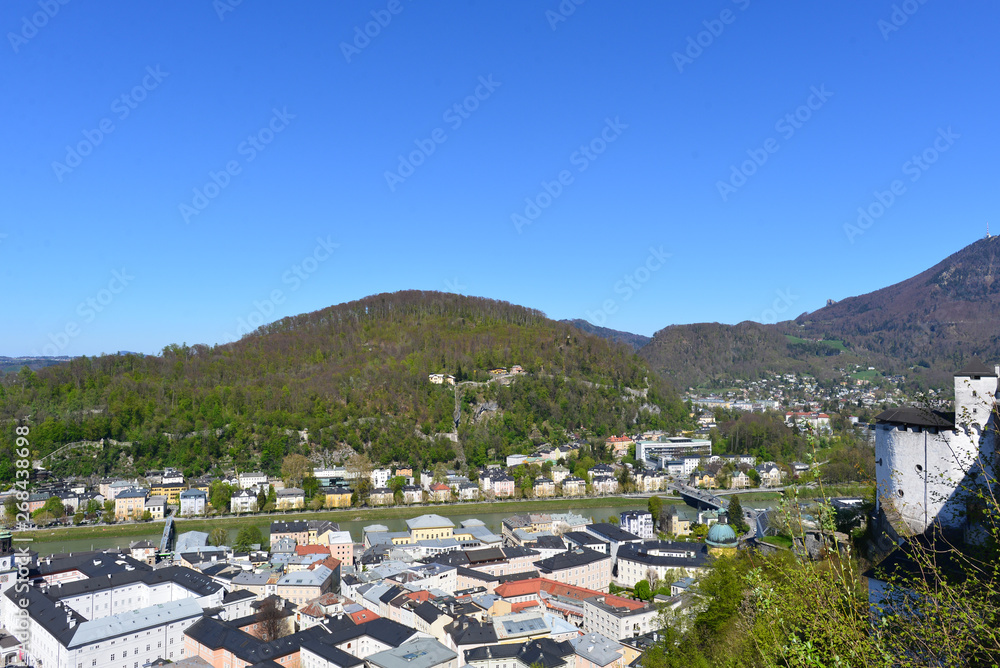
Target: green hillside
(350,377)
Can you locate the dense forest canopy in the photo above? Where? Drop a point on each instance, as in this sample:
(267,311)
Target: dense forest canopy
(352,376)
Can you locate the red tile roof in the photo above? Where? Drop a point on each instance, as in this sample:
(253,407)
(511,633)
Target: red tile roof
(418,596)
(333,563)
(311,549)
(362,616)
(518,607)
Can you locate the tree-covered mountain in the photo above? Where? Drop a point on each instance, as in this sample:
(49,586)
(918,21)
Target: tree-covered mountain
(352,376)
(924,327)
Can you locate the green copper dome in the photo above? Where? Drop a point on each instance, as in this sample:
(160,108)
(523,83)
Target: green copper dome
(721,535)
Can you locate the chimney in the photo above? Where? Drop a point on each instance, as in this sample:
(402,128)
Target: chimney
(70,620)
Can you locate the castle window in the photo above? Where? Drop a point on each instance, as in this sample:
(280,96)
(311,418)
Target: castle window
(900,492)
(920,469)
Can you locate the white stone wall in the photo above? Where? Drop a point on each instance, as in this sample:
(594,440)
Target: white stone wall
(918,470)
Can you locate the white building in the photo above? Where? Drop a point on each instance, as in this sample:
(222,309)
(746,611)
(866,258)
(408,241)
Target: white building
(618,618)
(641,561)
(672,448)
(243,501)
(380,477)
(638,522)
(252,480)
(925,460)
(193,502)
(107,612)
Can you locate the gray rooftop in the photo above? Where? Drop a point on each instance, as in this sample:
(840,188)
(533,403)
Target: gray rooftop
(420,653)
(429,522)
(97,630)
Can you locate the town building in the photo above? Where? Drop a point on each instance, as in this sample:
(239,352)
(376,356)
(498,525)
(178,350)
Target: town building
(193,502)
(243,501)
(130,504)
(637,522)
(578,566)
(641,561)
(290,498)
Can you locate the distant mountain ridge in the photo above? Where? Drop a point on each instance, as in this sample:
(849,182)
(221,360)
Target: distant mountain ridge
(635,341)
(924,327)
(8,364)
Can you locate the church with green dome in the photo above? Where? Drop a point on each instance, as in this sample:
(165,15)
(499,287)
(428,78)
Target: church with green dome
(721,539)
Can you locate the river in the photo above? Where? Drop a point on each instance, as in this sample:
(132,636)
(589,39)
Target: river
(492,521)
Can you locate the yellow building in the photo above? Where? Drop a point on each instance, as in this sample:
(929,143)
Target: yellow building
(337,498)
(170,490)
(430,527)
(130,504)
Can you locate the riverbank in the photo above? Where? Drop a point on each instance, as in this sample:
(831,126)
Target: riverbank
(372,515)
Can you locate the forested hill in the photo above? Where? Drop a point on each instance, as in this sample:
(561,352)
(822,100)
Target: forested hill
(925,328)
(353,375)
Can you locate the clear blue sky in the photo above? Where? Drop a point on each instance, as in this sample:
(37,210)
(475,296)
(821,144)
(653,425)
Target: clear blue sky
(182,86)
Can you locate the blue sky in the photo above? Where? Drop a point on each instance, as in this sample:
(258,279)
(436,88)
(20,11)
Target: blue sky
(174,172)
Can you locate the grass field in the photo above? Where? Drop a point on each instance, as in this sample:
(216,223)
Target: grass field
(780,541)
(759,496)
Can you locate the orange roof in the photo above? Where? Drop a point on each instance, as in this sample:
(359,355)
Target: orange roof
(518,607)
(620,602)
(362,616)
(330,562)
(439,487)
(518,588)
(534,585)
(311,549)
(617,439)
(569,591)
(419,596)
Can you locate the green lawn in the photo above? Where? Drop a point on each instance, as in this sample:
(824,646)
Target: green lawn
(780,541)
